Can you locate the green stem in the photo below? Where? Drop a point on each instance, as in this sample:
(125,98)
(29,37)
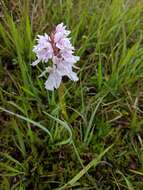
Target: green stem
(61,94)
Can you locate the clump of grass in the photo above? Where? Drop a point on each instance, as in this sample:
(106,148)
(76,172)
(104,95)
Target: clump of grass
(99,144)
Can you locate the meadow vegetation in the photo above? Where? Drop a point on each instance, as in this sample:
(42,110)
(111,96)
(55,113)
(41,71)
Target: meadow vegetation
(88,134)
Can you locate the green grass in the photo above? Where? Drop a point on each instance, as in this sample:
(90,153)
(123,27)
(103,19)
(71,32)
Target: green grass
(86,135)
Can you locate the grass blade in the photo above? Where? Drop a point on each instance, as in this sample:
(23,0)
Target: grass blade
(93,163)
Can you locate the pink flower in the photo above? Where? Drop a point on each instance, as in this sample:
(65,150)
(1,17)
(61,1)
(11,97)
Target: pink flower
(58,48)
(54,79)
(60,28)
(43,49)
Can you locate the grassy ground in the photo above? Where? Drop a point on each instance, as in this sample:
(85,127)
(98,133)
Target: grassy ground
(86,135)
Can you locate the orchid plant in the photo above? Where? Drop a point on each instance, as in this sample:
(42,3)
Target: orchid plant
(58,48)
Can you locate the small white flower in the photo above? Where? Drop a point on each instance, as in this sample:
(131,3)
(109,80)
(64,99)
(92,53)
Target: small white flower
(60,28)
(54,79)
(43,49)
(66,70)
(58,48)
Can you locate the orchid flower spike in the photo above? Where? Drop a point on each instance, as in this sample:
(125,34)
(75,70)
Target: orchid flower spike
(58,48)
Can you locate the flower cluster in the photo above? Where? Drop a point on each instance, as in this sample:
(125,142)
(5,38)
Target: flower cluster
(58,48)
